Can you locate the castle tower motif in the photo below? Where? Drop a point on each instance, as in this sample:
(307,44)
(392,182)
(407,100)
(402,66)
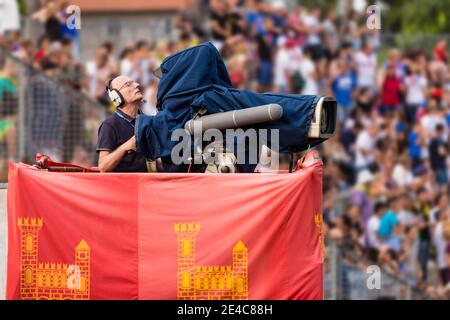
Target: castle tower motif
(51,281)
(318,221)
(240,269)
(209,282)
(186,259)
(28,256)
(82,261)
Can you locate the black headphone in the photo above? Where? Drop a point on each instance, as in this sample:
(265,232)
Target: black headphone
(114,94)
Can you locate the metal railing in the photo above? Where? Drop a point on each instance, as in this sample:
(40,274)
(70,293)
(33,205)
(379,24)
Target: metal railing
(346,278)
(45,112)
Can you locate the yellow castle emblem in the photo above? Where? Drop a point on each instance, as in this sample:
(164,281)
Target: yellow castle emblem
(318,220)
(209,282)
(51,281)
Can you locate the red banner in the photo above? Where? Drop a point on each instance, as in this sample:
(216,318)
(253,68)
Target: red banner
(165,236)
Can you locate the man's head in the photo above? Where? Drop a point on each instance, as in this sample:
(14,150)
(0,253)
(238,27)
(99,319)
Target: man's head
(123,90)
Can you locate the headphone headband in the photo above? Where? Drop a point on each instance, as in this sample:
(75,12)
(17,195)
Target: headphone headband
(108,84)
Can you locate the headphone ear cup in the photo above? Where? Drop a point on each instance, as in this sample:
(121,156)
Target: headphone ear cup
(116,97)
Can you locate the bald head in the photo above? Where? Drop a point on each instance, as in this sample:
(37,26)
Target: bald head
(119,81)
(128,88)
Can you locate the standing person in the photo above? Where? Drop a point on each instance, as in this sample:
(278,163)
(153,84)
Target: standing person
(47,105)
(438,157)
(98,71)
(360,201)
(391,91)
(422,209)
(282,66)
(373,225)
(343,86)
(441,236)
(366,65)
(116,140)
(265,75)
(415,97)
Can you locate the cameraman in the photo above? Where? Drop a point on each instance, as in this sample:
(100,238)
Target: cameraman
(116,140)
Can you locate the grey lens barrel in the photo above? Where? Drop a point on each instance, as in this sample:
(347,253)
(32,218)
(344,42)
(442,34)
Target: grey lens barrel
(236,118)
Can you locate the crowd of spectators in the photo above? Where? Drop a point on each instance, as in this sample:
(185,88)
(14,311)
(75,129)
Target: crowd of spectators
(388,165)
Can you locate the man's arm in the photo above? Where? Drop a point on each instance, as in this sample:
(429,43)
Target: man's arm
(107,160)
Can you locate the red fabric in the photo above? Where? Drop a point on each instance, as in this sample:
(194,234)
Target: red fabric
(436,93)
(45,162)
(391,91)
(129,223)
(237,78)
(441,53)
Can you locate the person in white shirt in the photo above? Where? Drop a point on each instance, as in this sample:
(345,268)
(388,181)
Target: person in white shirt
(282,66)
(308,71)
(402,174)
(440,243)
(366,67)
(373,224)
(416,86)
(9,16)
(149,105)
(329,28)
(312,21)
(98,71)
(365,143)
(431,119)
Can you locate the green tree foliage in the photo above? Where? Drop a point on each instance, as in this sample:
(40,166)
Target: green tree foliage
(417,16)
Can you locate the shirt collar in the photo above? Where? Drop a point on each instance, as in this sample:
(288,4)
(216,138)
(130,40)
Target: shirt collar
(127,117)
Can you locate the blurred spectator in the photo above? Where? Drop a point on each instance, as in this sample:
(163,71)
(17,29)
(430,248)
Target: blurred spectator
(422,209)
(389,226)
(343,87)
(296,29)
(45,118)
(438,156)
(189,19)
(373,225)
(9,16)
(430,119)
(49,15)
(309,73)
(220,26)
(126,63)
(8,108)
(365,143)
(391,91)
(42,48)
(98,71)
(360,202)
(264,45)
(313,42)
(441,50)
(415,86)
(366,64)
(142,71)
(149,106)
(330,30)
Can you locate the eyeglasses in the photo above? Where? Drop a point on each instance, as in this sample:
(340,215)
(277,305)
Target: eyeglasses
(127,84)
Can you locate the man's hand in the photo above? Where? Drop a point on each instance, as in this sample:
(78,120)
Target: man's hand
(130,144)
(107,161)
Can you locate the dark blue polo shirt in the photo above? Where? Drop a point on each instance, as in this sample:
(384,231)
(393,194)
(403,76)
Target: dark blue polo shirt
(117,129)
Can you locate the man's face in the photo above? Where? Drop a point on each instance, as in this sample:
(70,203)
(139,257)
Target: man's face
(130,89)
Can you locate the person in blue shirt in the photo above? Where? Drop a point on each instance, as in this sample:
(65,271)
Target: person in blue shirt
(415,146)
(343,86)
(388,223)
